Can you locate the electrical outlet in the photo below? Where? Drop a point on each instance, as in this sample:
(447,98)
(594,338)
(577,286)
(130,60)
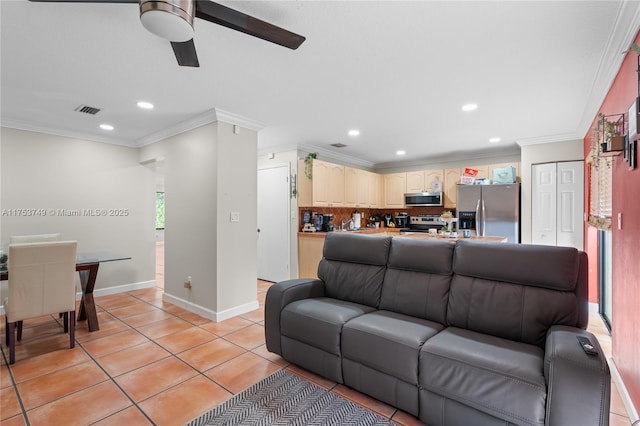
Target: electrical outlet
(187,283)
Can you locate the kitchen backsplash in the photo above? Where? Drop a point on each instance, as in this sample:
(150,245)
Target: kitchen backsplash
(344,213)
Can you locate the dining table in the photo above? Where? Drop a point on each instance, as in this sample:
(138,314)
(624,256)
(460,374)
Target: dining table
(87,265)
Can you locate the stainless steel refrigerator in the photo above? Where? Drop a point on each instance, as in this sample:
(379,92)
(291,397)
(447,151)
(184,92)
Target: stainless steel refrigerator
(490,210)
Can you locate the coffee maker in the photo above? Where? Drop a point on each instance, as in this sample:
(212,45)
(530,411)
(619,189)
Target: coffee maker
(327,222)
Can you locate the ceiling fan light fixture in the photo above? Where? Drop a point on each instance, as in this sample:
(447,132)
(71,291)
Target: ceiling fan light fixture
(169,19)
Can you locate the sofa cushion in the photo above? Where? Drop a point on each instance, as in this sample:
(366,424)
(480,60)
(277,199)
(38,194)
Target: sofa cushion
(388,342)
(496,376)
(353,267)
(318,322)
(533,265)
(418,278)
(511,311)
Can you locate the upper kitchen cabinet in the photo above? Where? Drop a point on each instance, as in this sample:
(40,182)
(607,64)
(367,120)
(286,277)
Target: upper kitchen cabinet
(432,176)
(422,181)
(483,172)
(451,179)
(395,185)
(328,184)
(375,190)
(415,182)
(357,188)
(325,188)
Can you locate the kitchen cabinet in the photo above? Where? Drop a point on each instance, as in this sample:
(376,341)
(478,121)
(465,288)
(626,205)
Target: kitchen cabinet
(430,176)
(356,187)
(324,189)
(309,255)
(415,182)
(395,185)
(375,192)
(451,179)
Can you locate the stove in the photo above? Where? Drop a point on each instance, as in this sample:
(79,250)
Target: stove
(423,223)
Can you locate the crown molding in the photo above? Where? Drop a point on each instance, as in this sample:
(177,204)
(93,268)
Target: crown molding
(206,117)
(622,35)
(238,120)
(550,139)
(199,120)
(326,154)
(30,127)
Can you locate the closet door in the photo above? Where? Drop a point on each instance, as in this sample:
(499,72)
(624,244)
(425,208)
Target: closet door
(544,206)
(558,204)
(570,199)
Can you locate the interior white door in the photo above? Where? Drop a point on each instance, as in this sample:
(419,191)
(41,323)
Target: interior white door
(544,198)
(558,204)
(273,223)
(570,199)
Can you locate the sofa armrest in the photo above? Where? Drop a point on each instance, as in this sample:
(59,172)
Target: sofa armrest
(578,385)
(280,295)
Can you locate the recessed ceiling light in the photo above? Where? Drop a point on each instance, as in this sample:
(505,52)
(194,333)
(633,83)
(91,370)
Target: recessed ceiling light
(354,132)
(106,127)
(145,105)
(494,140)
(470,107)
(401,152)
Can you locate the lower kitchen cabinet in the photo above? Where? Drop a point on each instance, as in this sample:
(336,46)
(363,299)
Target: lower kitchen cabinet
(309,254)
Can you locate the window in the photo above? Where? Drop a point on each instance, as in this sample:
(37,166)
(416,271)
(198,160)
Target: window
(159,210)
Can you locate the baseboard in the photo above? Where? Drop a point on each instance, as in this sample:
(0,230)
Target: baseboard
(119,289)
(111,290)
(624,394)
(208,313)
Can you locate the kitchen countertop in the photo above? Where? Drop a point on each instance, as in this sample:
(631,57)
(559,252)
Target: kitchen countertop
(396,231)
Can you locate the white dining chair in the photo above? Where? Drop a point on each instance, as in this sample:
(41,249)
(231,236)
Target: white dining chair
(34,238)
(41,282)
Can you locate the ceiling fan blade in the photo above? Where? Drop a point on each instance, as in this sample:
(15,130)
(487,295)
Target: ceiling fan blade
(185,52)
(230,18)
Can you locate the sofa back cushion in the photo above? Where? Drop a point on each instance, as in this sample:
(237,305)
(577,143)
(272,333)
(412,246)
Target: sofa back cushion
(418,278)
(517,291)
(353,266)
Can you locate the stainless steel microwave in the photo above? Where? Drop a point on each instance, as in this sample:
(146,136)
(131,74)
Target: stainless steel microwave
(423,199)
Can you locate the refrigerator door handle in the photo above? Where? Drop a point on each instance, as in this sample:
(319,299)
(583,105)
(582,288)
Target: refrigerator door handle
(484,215)
(478,223)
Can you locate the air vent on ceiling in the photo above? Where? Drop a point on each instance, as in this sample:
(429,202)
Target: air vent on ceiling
(338,145)
(88,109)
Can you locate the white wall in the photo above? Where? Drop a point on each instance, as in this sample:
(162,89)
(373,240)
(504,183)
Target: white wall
(291,158)
(208,173)
(538,154)
(42,171)
(452,164)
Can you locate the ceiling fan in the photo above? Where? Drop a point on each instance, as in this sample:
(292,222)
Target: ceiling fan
(173,21)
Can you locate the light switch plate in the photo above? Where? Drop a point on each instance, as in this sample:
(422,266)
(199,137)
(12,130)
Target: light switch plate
(235,217)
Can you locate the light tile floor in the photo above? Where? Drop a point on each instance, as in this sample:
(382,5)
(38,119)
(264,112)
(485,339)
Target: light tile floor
(154,363)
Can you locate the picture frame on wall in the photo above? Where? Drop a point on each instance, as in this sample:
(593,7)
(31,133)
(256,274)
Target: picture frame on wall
(632,154)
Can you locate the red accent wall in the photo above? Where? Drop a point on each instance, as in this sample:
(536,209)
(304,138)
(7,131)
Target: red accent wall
(626,242)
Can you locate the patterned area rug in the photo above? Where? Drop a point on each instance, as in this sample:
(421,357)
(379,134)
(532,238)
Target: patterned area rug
(285,399)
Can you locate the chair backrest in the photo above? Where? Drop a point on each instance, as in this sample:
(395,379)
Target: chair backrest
(41,279)
(35,238)
(517,291)
(418,278)
(353,266)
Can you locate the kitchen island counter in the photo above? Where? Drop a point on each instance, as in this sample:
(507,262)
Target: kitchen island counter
(310,245)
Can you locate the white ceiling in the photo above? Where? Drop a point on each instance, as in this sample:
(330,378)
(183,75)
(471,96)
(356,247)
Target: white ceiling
(398,71)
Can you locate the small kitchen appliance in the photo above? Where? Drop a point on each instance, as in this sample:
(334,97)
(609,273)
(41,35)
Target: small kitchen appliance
(327,222)
(402,220)
(387,220)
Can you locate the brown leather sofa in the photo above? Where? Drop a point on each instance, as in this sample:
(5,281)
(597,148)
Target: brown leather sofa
(463,333)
